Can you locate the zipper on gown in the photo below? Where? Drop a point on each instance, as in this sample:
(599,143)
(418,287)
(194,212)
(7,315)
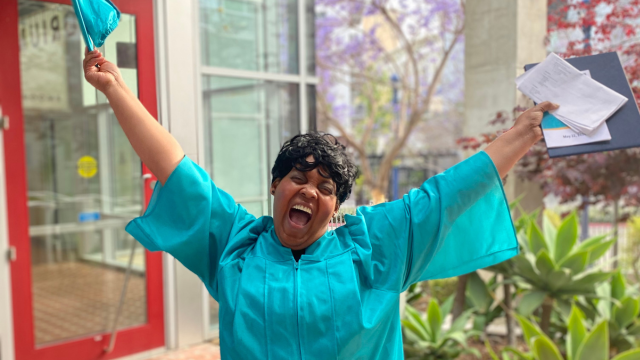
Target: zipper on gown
(297,285)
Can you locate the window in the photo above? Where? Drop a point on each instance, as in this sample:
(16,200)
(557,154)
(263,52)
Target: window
(257,67)
(245,122)
(250,35)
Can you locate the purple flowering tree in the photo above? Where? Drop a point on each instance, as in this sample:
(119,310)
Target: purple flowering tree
(383,69)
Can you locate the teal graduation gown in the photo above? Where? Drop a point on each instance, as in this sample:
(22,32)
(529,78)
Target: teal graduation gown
(341,300)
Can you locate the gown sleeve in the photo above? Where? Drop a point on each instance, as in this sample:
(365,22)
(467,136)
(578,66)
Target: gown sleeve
(455,223)
(191,219)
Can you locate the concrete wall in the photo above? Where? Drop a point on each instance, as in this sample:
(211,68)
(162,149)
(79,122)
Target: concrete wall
(501,36)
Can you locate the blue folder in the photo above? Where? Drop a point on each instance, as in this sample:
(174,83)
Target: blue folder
(624,125)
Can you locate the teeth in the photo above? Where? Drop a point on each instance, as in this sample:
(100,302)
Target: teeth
(302,208)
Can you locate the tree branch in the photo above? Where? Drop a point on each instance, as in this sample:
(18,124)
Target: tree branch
(410,54)
(416,116)
(359,147)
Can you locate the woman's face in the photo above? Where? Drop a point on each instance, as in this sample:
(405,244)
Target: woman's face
(304,202)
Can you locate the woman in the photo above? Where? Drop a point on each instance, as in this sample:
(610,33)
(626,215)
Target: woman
(287,288)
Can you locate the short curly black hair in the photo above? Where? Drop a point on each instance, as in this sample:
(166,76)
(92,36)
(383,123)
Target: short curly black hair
(327,152)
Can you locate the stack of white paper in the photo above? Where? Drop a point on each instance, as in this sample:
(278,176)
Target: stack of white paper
(585,104)
(558,134)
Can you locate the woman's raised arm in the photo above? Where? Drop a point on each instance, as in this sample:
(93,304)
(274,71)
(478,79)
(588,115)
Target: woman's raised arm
(154,145)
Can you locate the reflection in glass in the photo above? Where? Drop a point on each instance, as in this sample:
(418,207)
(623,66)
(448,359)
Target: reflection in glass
(256,35)
(312,107)
(310,33)
(246,122)
(83,179)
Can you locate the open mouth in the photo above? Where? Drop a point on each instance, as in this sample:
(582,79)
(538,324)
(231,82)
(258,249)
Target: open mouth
(300,215)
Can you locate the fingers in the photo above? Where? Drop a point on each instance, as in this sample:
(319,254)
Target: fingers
(96,61)
(92,59)
(88,55)
(546,106)
(87,52)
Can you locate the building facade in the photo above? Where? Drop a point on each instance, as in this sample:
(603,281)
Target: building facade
(230,79)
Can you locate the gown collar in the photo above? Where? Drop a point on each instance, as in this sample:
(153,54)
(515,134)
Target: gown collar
(327,246)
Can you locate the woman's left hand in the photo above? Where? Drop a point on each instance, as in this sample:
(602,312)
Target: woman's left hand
(507,149)
(528,123)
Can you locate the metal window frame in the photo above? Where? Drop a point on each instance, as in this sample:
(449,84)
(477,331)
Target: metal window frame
(168,263)
(302,79)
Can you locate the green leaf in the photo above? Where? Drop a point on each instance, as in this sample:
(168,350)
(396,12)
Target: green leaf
(536,239)
(478,292)
(549,229)
(515,203)
(558,279)
(523,240)
(634,329)
(516,352)
(628,355)
(625,314)
(473,352)
(567,236)
(528,329)
(524,269)
(414,330)
(576,331)
(544,349)
(490,350)
(618,286)
(479,322)
(587,309)
(564,308)
(586,283)
(461,321)
(419,327)
(591,242)
(595,345)
(545,264)
(434,318)
(576,262)
(530,301)
(597,251)
(447,305)
(603,305)
(459,337)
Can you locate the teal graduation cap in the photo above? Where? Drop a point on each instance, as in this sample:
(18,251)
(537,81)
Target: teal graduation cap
(96,19)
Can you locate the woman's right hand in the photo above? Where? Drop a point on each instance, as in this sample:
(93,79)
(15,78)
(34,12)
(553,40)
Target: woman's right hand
(103,76)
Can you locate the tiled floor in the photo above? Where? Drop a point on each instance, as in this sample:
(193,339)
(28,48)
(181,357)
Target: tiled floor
(72,299)
(207,351)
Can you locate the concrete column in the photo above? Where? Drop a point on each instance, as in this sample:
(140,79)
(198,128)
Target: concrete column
(501,36)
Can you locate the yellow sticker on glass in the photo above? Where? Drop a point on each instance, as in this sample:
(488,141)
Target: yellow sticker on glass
(87,167)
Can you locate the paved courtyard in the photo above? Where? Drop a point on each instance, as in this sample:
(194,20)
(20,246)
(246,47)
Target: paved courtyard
(206,351)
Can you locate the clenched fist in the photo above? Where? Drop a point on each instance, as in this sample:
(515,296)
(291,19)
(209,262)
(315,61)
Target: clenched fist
(99,72)
(529,122)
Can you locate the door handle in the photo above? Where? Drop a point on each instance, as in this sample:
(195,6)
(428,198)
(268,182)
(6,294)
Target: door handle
(12,254)
(4,121)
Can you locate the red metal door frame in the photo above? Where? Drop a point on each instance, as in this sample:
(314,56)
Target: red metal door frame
(131,340)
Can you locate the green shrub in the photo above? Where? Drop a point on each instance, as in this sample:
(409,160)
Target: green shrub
(581,344)
(424,338)
(442,289)
(553,267)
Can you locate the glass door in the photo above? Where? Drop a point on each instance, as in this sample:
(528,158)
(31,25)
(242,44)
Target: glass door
(76,182)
